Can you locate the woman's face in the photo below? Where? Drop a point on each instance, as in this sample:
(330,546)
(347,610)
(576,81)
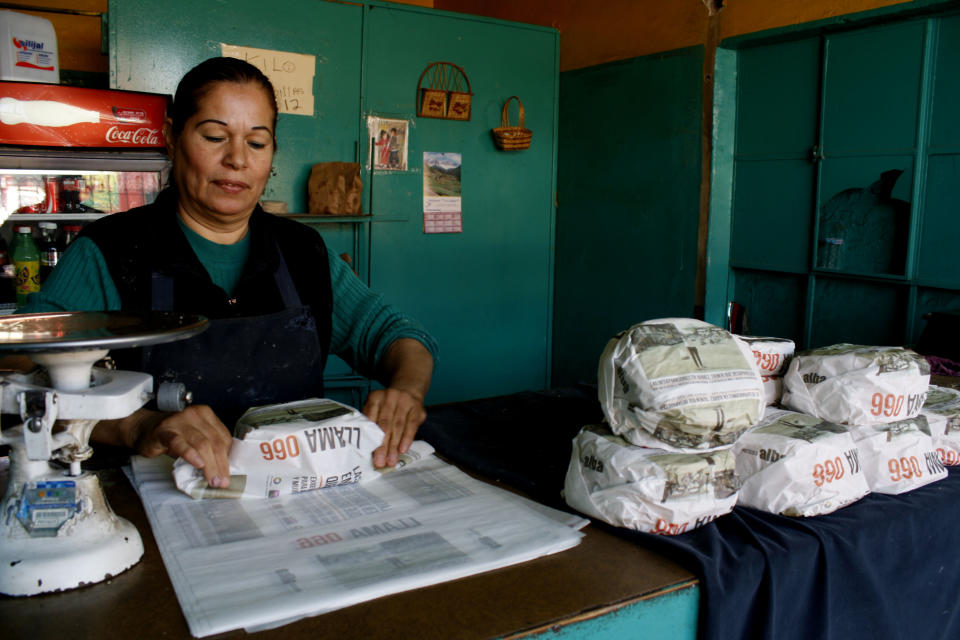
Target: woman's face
(223,156)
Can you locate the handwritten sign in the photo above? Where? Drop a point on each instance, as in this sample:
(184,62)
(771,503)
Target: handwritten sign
(291,75)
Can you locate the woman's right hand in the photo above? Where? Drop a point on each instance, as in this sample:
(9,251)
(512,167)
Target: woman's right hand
(195,434)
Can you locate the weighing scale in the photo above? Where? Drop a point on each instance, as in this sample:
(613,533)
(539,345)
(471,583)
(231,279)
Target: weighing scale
(56,529)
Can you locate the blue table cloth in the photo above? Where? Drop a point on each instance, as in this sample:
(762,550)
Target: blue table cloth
(886,567)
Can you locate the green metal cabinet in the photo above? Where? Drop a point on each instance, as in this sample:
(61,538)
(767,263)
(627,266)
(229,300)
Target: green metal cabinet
(629,193)
(486,293)
(839,220)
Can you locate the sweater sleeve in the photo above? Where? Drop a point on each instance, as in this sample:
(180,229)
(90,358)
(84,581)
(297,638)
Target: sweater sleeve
(363,326)
(79,282)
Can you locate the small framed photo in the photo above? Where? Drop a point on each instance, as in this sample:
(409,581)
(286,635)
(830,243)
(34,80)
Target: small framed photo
(389,142)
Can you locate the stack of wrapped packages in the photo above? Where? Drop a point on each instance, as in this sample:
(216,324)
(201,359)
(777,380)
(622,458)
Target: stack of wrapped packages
(676,394)
(693,427)
(875,395)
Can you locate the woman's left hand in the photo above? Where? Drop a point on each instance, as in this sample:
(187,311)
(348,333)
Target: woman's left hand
(406,370)
(399,413)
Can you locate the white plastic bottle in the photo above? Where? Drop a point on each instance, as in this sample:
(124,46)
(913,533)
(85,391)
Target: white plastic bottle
(44,113)
(28,49)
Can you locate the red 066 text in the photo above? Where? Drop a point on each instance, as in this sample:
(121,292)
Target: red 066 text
(280,448)
(828,471)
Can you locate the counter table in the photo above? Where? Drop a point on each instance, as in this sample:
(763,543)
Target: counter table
(601,588)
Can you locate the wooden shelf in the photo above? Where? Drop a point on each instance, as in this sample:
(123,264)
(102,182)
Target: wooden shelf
(320,219)
(53,217)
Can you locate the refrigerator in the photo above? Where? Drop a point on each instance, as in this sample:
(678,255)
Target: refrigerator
(70,155)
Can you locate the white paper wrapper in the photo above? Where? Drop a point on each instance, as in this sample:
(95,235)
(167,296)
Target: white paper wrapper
(940,396)
(294,447)
(644,489)
(771,355)
(899,456)
(798,465)
(942,411)
(772,389)
(686,383)
(850,384)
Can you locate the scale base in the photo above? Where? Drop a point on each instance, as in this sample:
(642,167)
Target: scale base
(92,545)
(57,531)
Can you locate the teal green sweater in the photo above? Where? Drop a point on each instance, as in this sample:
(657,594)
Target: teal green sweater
(362,325)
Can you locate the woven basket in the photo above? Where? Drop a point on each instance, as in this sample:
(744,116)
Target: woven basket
(511,138)
(444,95)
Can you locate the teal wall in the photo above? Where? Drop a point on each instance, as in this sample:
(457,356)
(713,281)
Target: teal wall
(629,193)
(154,42)
(486,294)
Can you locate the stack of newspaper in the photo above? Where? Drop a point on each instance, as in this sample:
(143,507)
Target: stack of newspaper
(260,563)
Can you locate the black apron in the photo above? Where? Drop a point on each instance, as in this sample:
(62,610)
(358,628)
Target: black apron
(238,363)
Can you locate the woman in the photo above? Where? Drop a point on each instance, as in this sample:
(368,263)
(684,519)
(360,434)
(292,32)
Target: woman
(278,302)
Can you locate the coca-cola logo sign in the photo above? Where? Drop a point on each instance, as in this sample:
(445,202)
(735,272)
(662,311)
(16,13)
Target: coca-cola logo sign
(142,136)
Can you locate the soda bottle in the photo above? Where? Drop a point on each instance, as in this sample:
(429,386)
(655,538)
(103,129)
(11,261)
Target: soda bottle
(70,232)
(49,249)
(26,264)
(51,203)
(70,188)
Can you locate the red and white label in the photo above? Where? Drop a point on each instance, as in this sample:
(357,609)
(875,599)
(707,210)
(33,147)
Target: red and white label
(54,115)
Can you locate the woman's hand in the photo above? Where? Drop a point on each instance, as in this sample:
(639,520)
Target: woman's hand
(194,434)
(406,370)
(399,413)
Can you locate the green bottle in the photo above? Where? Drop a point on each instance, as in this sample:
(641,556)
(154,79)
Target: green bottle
(26,264)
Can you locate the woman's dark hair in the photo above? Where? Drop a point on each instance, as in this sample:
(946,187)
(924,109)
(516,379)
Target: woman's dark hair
(197,82)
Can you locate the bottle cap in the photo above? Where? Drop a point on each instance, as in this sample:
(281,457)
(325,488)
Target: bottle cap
(48,225)
(24,229)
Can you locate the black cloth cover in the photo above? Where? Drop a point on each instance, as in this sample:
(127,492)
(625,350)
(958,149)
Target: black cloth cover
(886,567)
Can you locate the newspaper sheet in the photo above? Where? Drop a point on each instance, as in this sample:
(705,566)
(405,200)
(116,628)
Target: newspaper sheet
(259,563)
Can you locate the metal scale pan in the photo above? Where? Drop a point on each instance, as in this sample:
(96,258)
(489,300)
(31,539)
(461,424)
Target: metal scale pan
(83,330)
(67,344)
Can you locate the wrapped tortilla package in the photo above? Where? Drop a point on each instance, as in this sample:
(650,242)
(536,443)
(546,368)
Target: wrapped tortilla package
(850,384)
(798,465)
(652,490)
(899,456)
(294,447)
(771,355)
(772,389)
(937,395)
(942,411)
(679,383)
